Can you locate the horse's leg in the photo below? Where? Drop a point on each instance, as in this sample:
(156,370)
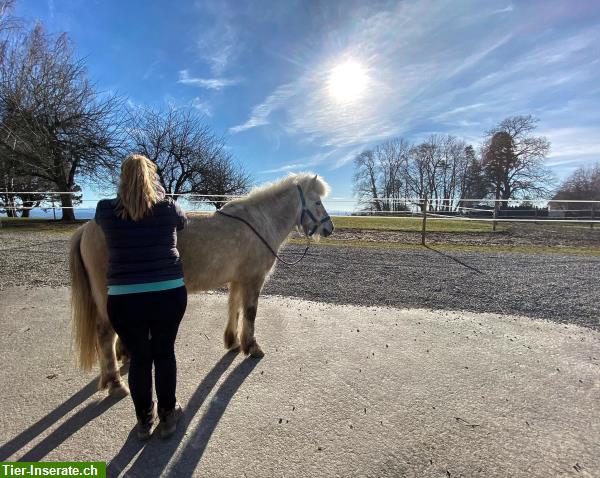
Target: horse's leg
(250,295)
(109,371)
(121,351)
(231,330)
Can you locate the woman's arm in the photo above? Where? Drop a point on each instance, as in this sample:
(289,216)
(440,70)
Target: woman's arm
(181,217)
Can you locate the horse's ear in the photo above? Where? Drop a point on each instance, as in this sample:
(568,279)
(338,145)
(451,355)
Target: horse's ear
(315,178)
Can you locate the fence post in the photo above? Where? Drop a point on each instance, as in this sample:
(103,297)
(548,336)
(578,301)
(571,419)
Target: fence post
(592,214)
(424,225)
(495,209)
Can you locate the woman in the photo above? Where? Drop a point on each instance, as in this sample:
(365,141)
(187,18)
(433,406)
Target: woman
(146,294)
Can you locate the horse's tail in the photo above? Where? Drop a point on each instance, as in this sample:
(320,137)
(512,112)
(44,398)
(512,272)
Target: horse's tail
(83,307)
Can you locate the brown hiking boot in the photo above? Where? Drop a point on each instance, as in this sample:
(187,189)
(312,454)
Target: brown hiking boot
(145,423)
(168,420)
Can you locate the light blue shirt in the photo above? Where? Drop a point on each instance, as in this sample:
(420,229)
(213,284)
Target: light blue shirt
(148,287)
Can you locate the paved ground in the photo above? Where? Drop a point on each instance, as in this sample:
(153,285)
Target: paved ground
(342,391)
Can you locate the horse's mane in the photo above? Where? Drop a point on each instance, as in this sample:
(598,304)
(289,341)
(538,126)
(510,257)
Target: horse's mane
(265,192)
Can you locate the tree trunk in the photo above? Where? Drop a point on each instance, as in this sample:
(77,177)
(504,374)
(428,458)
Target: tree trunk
(27,207)
(10,207)
(66,203)
(374,193)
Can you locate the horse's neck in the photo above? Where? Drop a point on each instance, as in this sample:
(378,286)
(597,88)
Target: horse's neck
(280,213)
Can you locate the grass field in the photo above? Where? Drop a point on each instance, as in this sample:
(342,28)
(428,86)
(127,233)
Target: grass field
(533,249)
(365,232)
(407,224)
(410,224)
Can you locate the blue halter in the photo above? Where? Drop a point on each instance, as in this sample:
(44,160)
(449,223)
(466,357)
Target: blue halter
(305,210)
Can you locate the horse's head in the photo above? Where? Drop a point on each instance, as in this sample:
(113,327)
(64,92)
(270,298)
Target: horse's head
(313,217)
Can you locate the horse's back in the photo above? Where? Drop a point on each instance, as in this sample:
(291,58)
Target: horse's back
(216,250)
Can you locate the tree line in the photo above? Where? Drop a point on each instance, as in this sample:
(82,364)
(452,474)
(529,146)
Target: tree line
(57,128)
(445,169)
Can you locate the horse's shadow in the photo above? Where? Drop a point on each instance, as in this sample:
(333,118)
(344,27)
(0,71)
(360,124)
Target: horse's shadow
(157,454)
(69,427)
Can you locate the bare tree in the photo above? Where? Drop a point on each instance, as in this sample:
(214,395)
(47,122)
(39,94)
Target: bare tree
(432,170)
(513,159)
(452,172)
(8,24)
(420,176)
(582,184)
(396,169)
(53,121)
(392,157)
(379,175)
(190,158)
(365,179)
(14,178)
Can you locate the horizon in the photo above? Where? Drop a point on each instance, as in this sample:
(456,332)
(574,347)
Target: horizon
(298,86)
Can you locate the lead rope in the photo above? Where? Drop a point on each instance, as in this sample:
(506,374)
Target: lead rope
(265,241)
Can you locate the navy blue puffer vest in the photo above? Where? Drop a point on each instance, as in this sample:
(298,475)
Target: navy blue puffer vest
(142,251)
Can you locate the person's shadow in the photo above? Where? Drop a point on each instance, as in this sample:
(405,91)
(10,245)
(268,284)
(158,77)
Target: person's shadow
(74,423)
(156,454)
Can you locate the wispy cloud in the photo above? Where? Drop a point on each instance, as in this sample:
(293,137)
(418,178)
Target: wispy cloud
(479,55)
(261,112)
(150,71)
(285,168)
(219,44)
(304,163)
(506,9)
(405,84)
(51,9)
(208,83)
(573,143)
(458,110)
(202,106)
(426,73)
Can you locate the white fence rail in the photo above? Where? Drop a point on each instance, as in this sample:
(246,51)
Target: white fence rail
(483,209)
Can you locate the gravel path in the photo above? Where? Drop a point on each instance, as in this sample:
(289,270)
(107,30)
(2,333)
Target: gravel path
(562,288)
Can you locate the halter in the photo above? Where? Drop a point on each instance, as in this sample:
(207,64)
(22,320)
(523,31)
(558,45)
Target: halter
(305,210)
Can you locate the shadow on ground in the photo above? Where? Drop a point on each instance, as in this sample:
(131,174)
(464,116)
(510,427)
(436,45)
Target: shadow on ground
(65,430)
(156,454)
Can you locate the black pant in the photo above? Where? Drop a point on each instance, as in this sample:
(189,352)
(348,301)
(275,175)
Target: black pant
(147,323)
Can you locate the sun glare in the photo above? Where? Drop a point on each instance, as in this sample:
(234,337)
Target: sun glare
(347,81)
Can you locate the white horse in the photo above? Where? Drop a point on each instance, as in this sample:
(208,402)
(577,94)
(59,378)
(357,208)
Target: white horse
(236,246)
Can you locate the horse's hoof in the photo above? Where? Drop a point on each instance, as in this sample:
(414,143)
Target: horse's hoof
(118,389)
(255,351)
(230,340)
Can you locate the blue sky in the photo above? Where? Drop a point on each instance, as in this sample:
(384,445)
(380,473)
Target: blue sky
(261,71)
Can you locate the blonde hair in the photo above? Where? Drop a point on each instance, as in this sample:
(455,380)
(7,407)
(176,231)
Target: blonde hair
(139,188)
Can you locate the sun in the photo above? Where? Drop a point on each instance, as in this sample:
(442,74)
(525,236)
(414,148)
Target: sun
(347,81)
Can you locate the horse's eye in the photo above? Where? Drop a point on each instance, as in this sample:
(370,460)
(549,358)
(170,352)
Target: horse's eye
(318,203)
